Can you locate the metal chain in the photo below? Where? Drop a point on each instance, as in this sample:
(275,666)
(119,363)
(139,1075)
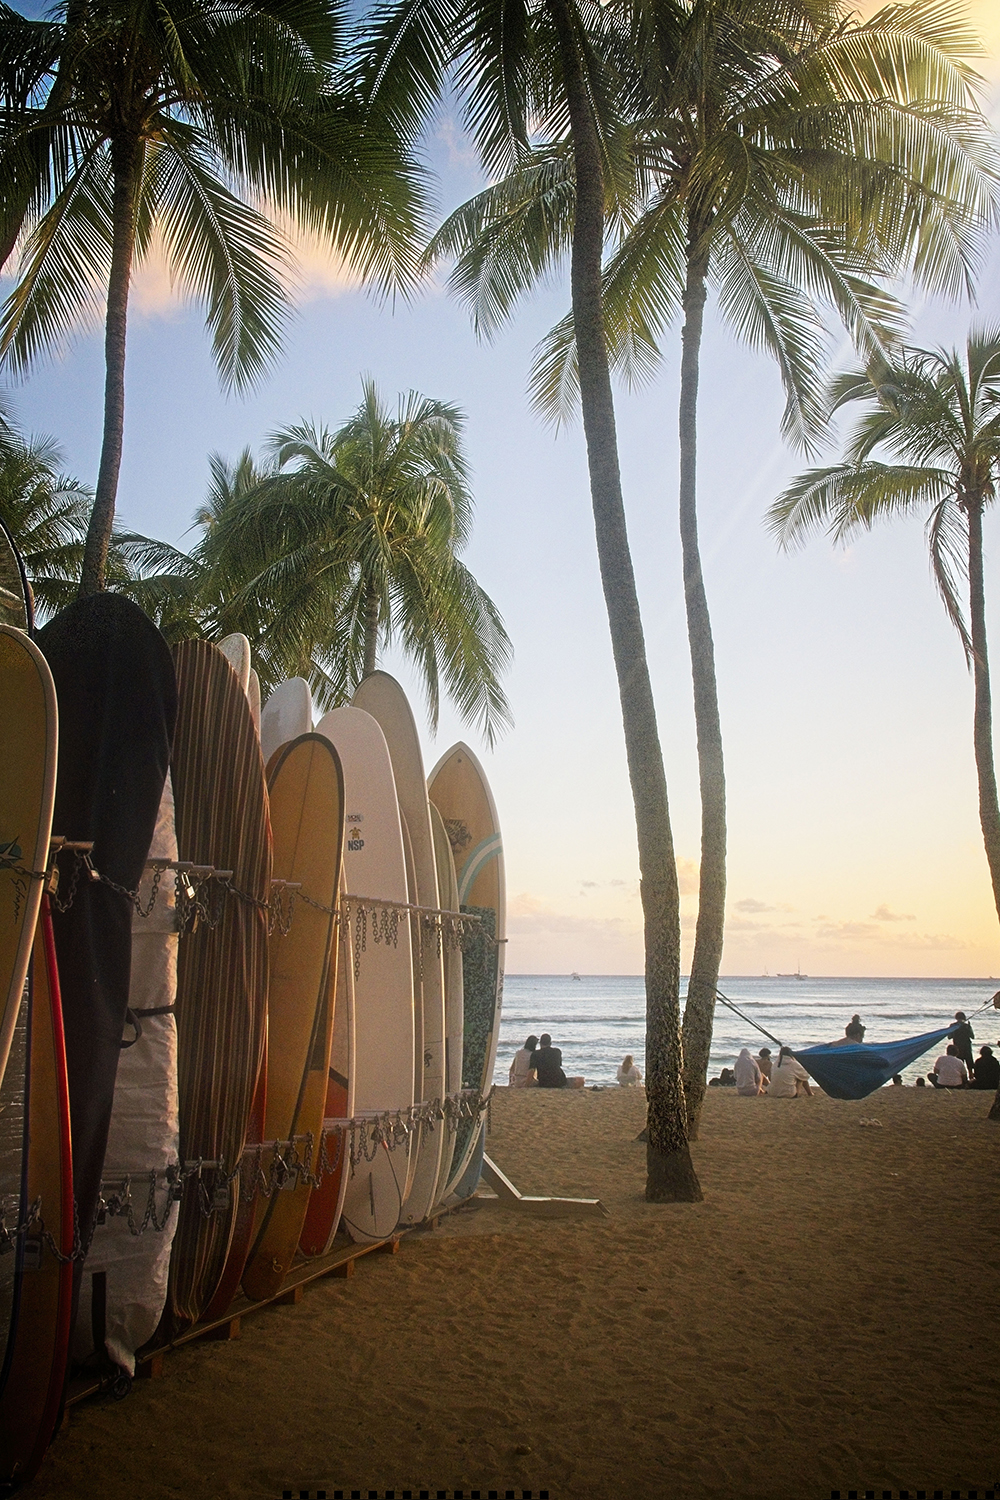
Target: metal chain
(290,1165)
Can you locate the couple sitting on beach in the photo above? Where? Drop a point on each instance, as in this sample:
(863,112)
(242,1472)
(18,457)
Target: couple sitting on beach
(539,1065)
(785,1079)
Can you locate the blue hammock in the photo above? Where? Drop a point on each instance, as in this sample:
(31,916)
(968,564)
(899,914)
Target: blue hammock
(857,1069)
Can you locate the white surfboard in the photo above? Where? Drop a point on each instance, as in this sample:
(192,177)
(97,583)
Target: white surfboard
(285,715)
(383,984)
(253,698)
(144,1128)
(461,792)
(382,697)
(236,649)
(454,994)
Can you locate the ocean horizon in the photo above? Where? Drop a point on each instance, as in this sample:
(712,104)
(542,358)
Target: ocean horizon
(598,1018)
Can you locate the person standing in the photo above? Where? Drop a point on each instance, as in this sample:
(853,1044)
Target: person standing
(961,1039)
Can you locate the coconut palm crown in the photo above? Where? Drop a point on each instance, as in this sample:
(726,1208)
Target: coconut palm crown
(344,542)
(183,128)
(934,417)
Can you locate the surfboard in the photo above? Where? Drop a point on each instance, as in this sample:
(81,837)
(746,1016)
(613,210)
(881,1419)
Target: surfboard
(382,697)
(117,697)
(236,649)
(28,736)
(327,1199)
(285,715)
(459,789)
(36,1368)
(13,1183)
(306,795)
(253,697)
(382,970)
(222,821)
(16,602)
(453,991)
(129,1271)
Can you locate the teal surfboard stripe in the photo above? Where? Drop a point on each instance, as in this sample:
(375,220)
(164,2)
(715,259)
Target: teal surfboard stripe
(488,849)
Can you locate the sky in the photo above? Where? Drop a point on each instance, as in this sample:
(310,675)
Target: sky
(854,843)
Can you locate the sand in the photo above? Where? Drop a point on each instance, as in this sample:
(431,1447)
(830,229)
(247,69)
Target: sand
(825,1319)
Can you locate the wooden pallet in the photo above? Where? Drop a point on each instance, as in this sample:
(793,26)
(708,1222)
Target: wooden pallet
(339,1262)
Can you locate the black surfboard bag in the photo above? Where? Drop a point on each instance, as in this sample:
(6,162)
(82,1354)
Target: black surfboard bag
(117,697)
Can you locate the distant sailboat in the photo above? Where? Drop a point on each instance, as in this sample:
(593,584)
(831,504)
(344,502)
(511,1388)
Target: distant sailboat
(576,976)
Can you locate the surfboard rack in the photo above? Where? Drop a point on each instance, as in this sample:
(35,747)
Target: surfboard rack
(548,1208)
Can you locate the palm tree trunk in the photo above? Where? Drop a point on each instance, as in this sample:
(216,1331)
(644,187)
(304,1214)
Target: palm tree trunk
(126,158)
(982,720)
(371,632)
(699,1012)
(670,1173)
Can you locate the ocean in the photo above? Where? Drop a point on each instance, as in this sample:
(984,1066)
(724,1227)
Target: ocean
(598,1018)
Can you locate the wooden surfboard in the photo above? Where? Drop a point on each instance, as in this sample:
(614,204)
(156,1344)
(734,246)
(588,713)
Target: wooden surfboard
(306,795)
(459,789)
(133,1269)
(383,981)
(285,715)
(28,736)
(453,991)
(327,1199)
(236,649)
(246,1205)
(32,1393)
(382,697)
(117,696)
(222,820)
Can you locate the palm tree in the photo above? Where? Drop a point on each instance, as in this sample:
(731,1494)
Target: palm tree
(345,541)
(127,127)
(553,68)
(47,513)
(936,415)
(784,152)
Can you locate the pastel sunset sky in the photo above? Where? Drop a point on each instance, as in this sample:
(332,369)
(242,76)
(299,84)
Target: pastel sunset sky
(854,845)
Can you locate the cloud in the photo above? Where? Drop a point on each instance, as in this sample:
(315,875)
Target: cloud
(687,876)
(883,914)
(748,904)
(528,916)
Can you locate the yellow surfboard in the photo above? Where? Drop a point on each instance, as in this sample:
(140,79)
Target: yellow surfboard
(306,792)
(28,733)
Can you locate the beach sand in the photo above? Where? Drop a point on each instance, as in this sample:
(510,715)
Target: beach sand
(823,1320)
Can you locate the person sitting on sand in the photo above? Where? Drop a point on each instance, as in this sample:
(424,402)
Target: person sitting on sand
(628,1074)
(547,1063)
(920,1083)
(961,1039)
(986,1070)
(854,1031)
(897,1080)
(725,1080)
(789,1078)
(949,1071)
(522,1074)
(764,1063)
(748,1075)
